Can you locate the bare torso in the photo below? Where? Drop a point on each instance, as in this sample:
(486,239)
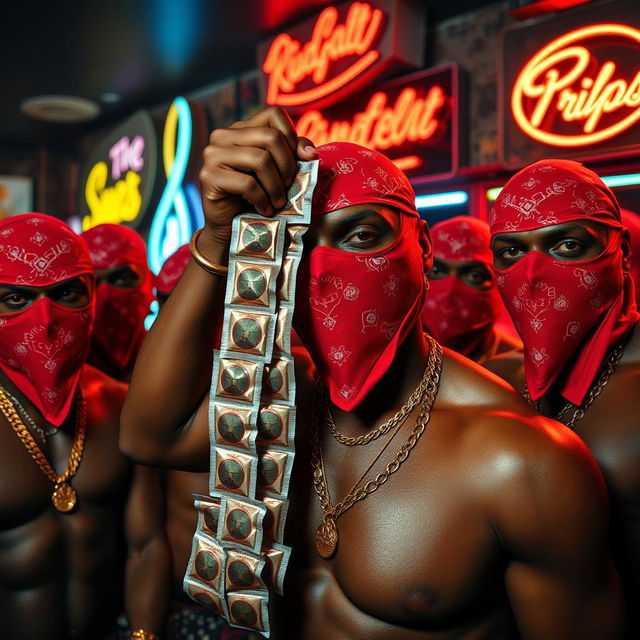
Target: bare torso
(61,573)
(418,558)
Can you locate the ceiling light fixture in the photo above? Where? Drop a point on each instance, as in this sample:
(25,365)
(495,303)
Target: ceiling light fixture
(60,108)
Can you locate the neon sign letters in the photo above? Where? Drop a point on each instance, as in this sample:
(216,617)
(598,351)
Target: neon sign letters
(119,175)
(410,119)
(289,62)
(565,86)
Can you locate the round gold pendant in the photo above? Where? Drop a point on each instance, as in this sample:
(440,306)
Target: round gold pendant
(327,538)
(64,497)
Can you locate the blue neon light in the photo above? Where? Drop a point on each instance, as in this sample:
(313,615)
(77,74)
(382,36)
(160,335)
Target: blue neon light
(172,226)
(442,199)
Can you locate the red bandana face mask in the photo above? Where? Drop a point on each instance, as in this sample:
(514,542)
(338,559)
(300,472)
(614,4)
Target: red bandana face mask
(172,270)
(569,314)
(455,314)
(43,346)
(459,316)
(120,312)
(353,310)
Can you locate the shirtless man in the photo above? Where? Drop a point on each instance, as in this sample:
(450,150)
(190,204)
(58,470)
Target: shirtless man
(62,558)
(562,260)
(493,527)
(123,295)
(463,302)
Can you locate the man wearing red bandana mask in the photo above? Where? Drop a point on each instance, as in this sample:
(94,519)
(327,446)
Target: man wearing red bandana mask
(68,496)
(463,303)
(562,258)
(123,295)
(492,524)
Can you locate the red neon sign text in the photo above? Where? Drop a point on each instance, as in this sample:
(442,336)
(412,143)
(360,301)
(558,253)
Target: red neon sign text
(288,62)
(555,80)
(381,126)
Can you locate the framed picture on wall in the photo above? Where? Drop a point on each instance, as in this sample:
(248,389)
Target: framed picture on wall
(16,195)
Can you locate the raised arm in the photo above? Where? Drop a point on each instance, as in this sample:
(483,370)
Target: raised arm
(246,167)
(553,520)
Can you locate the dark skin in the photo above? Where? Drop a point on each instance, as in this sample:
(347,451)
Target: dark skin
(610,426)
(62,575)
(479,277)
(481,530)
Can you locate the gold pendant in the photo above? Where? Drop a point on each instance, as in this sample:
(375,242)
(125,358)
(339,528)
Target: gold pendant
(64,497)
(327,537)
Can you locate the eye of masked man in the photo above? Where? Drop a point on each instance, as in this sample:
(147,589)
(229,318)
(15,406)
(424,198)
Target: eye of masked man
(569,306)
(355,308)
(463,302)
(124,293)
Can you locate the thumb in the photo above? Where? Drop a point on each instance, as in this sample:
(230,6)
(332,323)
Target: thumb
(306,150)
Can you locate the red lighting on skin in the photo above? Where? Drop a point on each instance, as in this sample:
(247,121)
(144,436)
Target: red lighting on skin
(572,94)
(381,126)
(288,62)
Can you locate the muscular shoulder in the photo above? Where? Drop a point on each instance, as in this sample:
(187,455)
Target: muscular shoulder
(511,452)
(105,396)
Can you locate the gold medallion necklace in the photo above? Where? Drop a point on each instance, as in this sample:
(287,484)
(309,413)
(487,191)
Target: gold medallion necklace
(601,382)
(64,497)
(327,531)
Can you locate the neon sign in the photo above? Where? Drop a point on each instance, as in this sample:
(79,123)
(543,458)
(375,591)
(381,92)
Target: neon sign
(288,61)
(565,81)
(175,218)
(119,176)
(344,48)
(381,126)
(413,120)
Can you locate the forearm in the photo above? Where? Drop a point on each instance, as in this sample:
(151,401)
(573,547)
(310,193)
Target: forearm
(173,369)
(148,587)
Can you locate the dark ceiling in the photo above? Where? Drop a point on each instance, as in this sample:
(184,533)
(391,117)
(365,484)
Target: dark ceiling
(144,51)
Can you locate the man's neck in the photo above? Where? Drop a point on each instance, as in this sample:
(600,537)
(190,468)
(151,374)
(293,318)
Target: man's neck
(393,389)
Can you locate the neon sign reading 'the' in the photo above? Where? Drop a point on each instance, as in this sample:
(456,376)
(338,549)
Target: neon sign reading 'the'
(289,62)
(565,83)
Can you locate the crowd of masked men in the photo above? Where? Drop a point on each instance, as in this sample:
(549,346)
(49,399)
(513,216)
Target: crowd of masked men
(93,545)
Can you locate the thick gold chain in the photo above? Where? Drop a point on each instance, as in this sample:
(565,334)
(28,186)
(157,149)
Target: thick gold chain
(6,406)
(319,475)
(385,427)
(601,382)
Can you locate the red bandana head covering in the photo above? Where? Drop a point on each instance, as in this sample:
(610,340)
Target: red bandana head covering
(44,345)
(353,309)
(172,270)
(565,311)
(456,314)
(631,222)
(119,328)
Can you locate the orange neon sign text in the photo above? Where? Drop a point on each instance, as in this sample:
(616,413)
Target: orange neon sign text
(288,62)
(381,126)
(564,79)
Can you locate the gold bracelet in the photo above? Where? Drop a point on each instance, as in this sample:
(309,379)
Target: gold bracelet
(202,261)
(141,634)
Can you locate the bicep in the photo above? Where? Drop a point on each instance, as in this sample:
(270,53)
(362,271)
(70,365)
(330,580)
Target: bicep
(186,448)
(560,578)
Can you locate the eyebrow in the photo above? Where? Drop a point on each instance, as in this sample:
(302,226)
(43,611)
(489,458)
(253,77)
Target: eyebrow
(360,215)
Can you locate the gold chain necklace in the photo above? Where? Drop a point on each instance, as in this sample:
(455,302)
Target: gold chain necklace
(385,427)
(64,497)
(28,419)
(610,365)
(327,532)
